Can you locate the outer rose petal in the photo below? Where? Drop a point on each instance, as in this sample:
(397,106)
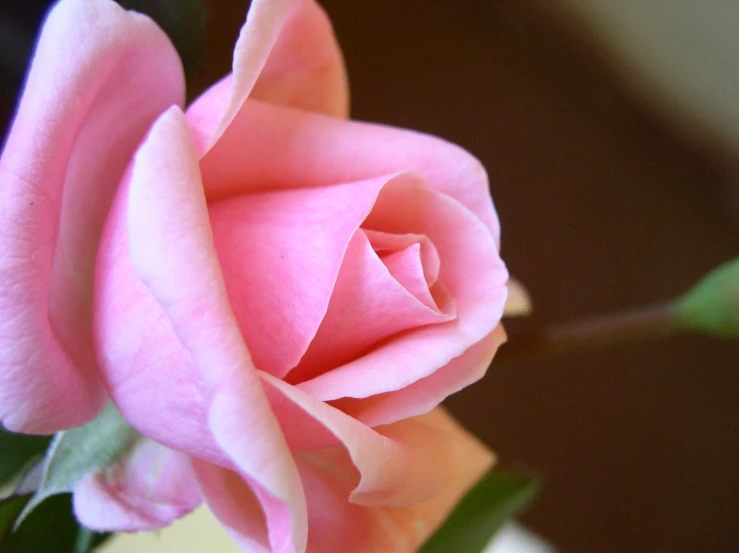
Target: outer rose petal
(427,393)
(335,523)
(170,235)
(338,526)
(286,54)
(148,488)
(305,68)
(269,147)
(100,76)
(398,464)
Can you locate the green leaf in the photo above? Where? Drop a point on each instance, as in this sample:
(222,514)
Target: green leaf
(712,305)
(183,21)
(77,452)
(17,450)
(10,508)
(499,495)
(51,528)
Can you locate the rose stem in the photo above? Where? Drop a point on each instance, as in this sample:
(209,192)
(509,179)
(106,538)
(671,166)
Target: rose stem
(643,323)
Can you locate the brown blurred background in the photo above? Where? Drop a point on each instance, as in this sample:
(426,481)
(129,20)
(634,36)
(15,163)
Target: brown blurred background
(606,202)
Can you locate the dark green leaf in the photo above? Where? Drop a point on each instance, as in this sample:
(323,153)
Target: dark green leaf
(51,528)
(183,21)
(498,496)
(80,451)
(10,508)
(17,450)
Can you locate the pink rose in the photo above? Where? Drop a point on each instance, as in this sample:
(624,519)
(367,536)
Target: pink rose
(277,297)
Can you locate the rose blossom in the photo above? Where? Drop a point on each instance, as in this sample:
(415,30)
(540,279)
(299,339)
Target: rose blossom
(277,297)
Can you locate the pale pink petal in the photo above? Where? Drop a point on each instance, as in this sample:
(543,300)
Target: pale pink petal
(173,253)
(305,68)
(425,394)
(270,147)
(368,305)
(280,253)
(471,270)
(99,78)
(383,243)
(335,524)
(260,33)
(399,464)
(149,373)
(286,54)
(148,488)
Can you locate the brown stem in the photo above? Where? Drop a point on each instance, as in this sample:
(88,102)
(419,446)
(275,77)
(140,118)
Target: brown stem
(643,323)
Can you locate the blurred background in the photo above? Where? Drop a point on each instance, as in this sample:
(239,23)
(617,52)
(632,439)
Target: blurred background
(610,129)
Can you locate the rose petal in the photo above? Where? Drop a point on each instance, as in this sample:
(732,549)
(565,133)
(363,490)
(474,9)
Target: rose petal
(367,306)
(383,243)
(338,525)
(425,394)
(100,76)
(399,464)
(280,253)
(270,147)
(470,268)
(173,253)
(305,69)
(233,502)
(286,54)
(148,488)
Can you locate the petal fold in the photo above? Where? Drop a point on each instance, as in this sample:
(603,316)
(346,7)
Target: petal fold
(173,253)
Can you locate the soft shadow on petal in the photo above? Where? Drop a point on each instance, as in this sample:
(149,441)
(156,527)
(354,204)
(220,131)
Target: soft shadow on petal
(173,253)
(271,147)
(148,488)
(233,502)
(99,78)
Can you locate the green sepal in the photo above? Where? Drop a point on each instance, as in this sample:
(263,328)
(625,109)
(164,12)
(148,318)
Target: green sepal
(712,305)
(77,452)
(498,496)
(183,21)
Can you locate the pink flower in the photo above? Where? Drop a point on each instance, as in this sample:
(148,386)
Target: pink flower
(276,296)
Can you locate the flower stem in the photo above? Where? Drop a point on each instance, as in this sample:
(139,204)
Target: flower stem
(653,321)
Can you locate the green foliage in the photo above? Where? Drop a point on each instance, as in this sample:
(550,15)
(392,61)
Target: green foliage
(712,305)
(17,450)
(498,496)
(183,21)
(80,451)
(51,528)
